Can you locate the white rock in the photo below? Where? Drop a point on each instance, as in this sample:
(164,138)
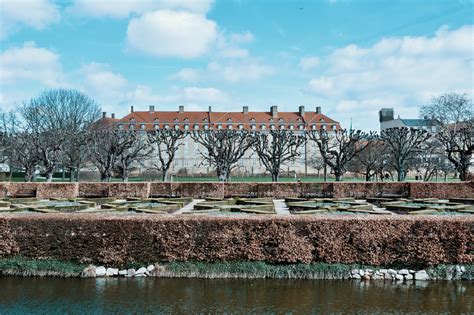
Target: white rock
(392,271)
(409,277)
(355,271)
(463,269)
(422,275)
(387,276)
(100,271)
(150,268)
(383,270)
(361,272)
(142,270)
(399,277)
(412,271)
(131,272)
(122,272)
(458,269)
(369,271)
(356,276)
(140,275)
(403,272)
(112,272)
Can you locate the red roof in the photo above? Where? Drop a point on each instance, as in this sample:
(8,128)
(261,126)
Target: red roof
(226,119)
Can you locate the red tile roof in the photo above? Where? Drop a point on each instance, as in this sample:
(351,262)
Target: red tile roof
(214,119)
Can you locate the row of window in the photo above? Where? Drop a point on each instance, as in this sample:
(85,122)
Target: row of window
(228,119)
(240,127)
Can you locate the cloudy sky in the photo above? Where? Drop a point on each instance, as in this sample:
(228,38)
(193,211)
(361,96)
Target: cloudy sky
(349,57)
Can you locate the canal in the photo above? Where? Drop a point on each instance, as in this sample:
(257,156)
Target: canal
(185,296)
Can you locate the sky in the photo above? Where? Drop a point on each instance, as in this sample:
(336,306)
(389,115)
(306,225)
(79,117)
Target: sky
(349,57)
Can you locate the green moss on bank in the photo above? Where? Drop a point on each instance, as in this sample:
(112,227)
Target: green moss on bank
(33,267)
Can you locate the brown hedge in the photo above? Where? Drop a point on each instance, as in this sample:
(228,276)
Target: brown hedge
(117,240)
(221,190)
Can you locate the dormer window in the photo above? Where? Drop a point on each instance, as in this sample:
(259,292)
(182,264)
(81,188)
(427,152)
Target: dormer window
(186,119)
(271,119)
(156,119)
(252,119)
(176,119)
(321,120)
(132,119)
(205,119)
(229,119)
(280,120)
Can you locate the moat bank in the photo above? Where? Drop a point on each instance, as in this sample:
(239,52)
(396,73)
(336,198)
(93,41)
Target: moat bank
(243,296)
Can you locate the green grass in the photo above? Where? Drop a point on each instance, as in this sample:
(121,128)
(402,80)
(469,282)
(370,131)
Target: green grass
(18,265)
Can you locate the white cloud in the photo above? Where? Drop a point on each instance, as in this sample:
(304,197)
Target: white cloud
(399,72)
(308,63)
(186,75)
(204,94)
(124,8)
(236,71)
(157,34)
(239,38)
(30,63)
(37,14)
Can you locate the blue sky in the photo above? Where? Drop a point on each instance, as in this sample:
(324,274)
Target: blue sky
(349,57)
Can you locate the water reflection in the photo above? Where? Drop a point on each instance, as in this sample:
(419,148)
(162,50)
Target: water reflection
(36,295)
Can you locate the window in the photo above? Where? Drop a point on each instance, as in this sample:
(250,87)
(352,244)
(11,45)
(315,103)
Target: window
(241,126)
(219,126)
(272,127)
(132,119)
(301,127)
(176,127)
(206,127)
(334,127)
(321,120)
(186,119)
(253,127)
(157,126)
(176,119)
(282,127)
(196,127)
(252,119)
(229,126)
(323,127)
(313,127)
(291,127)
(167,126)
(186,127)
(131,127)
(280,120)
(229,119)
(156,119)
(263,127)
(120,127)
(142,126)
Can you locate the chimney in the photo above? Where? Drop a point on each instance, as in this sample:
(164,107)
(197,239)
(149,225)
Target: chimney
(301,111)
(131,109)
(385,114)
(210,109)
(113,115)
(152,108)
(104,114)
(318,109)
(274,111)
(181,109)
(245,109)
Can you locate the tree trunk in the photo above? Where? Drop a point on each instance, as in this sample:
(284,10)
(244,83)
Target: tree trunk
(49,176)
(275,177)
(367,176)
(164,175)
(29,174)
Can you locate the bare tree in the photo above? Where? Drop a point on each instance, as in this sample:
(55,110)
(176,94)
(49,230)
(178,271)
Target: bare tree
(458,141)
(22,153)
(48,145)
(454,116)
(74,152)
(223,148)
(165,144)
(316,162)
(107,148)
(60,109)
(276,147)
(136,149)
(403,145)
(339,147)
(371,161)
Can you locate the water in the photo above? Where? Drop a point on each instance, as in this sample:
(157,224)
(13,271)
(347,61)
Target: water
(186,296)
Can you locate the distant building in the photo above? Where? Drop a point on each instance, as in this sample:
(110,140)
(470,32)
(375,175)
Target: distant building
(387,120)
(188,160)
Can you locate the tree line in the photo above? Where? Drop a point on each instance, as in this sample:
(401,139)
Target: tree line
(62,129)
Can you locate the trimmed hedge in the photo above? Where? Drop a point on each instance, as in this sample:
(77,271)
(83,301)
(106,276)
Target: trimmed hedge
(106,239)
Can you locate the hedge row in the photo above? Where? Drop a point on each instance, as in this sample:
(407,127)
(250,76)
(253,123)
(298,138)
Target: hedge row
(113,240)
(220,190)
